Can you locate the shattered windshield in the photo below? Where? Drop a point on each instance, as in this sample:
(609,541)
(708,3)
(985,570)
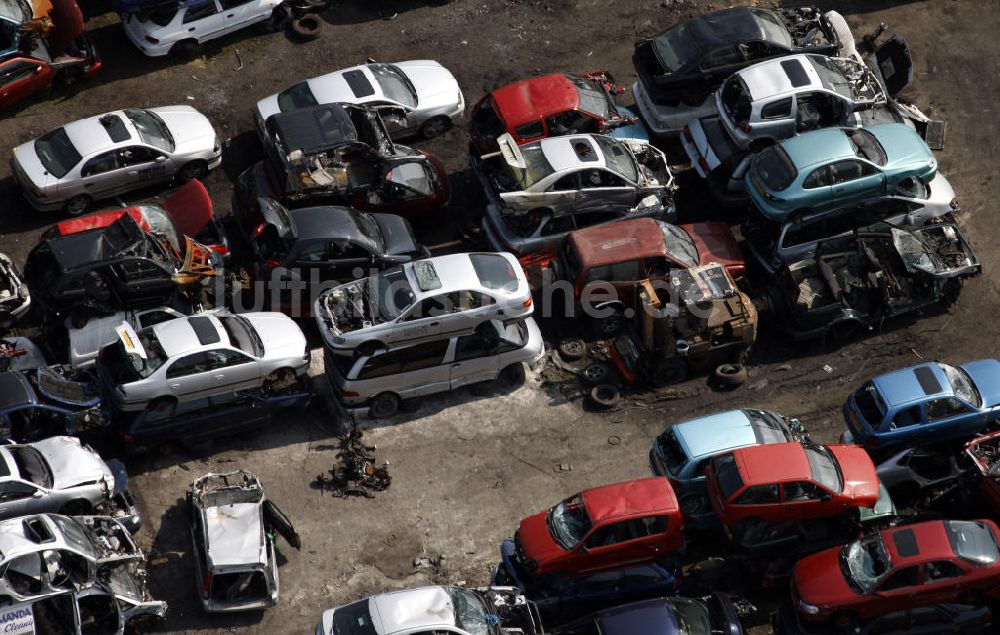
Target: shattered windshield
(824,468)
(675,48)
(395,84)
(961,385)
(298,96)
(536,166)
(680,247)
(568,522)
(393,293)
(160,224)
(592,99)
(863,562)
(617,157)
(471,614)
(913,251)
(31,465)
(57,153)
(151,129)
(831,76)
(867,146)
(692,617)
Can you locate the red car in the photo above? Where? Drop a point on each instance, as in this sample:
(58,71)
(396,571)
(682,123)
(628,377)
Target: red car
(37,51)
(985,454)
(186,212)
(603,528)
(545,106)
(934,562)
(790,482)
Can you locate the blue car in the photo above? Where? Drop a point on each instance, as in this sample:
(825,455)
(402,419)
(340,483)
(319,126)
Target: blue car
(683,450)
(561,597)
(661,616)
(923,404)
(834,168)
(48,401)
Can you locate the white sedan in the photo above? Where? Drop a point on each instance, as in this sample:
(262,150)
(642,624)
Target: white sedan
(110,154)
(424,90)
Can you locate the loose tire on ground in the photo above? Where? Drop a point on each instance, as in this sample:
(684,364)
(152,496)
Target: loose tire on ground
(669,371)
(306,27)
(605,396)
(597,373)
(730,375)
(572,348)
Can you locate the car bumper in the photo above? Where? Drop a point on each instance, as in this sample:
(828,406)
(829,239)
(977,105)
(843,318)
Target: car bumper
(138,39)
(42,205)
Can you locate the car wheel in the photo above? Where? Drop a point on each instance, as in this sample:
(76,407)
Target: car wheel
(597,373)
(279,379)
(185,49)
(192,170)
(605,396)
(306,27)
(511,376)
(77,205)
(435,127)
(77,507)
(367,349)
(730,375)
(384,405)
(572,349)
(608,326)
(669,371)
(161,403)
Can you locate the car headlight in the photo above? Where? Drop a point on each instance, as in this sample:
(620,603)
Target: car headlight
(809,609)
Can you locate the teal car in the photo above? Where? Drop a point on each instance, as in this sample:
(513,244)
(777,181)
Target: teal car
(834,168)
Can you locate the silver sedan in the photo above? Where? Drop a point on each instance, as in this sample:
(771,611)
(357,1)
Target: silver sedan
(110,154)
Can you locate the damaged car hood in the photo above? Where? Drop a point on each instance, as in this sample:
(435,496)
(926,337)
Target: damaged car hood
(73,464)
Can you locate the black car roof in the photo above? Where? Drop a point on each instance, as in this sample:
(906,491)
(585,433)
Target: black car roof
(15,390)
(326,222)
(728,26)
(314,129)
(76,250)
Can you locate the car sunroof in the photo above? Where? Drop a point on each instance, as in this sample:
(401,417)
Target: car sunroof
(205,330)
(359,84)
(928,382)
(426,274)
(115,128)
(906,542)
(796,74)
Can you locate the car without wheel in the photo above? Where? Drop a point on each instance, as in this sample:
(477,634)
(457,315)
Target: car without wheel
(46,401)
(191,358)
(107,155)
(426,92)
(433,298)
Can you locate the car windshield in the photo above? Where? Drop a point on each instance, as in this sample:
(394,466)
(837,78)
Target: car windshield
(370,230)
(393,293)
(767,427)
(494,272)
(866,146)
(775,168)
(831,76)
(395,84)
(31,465)
(161,225)
(471,614)
(680,247)
(618,158)
(536,166)
(674,457)
(863,562)
(414,176)
(824,468)
(972,541)
(692,617)
(592,98)
(961,385)
(242,335)
(151,129)
(56,152)
(74,534)
(568,522)
(295,97)
(773,26)
(675,48)
(727,474)
(353,619)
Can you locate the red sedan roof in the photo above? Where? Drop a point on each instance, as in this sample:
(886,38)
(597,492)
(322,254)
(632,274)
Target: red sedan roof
(637,498)
(917,543)
(775,463)
(533,99)
(614,242)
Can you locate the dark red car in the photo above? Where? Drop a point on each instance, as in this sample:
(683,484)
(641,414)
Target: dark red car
(603,528)
(790,482)
(33,52)
(934,562)
(549,106)
(985,454)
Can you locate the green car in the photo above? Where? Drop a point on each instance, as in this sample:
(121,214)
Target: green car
(838,167)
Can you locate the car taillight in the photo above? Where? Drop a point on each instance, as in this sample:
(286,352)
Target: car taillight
(152,40)
(127,438)
(745,126)
(527,303)
(206,584)
(350,393)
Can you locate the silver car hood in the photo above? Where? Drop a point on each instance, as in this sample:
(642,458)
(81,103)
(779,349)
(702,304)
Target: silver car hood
(436,86)
(280,335)
(72,464)
(191,130)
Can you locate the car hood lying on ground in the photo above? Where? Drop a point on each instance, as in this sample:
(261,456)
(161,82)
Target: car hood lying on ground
(73,464)
(280,336)
(436,86)
(985,374)
(191,130)
(397,234)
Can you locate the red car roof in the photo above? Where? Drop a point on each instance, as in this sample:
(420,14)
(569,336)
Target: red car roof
(775,463)
(930,538)
(614,242)
(533,99)
(96,220)
(637,498)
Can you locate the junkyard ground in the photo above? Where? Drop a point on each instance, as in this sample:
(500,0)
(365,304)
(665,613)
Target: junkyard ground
(466,467)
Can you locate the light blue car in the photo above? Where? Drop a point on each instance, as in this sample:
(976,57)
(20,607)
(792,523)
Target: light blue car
(838,167)
(683,451)
(923,404)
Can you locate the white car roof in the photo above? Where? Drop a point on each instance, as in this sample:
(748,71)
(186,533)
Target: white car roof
(411,610)
(561,152)
(89,136)
(235,534)
(333,87)
(14,540)
(456,273)
(181,336)
(770,79)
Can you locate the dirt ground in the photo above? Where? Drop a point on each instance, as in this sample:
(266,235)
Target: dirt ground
(467,467)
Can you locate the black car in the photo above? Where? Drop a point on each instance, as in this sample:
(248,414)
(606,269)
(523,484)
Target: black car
(337,243)
(715,614)
(690,60)
(117,267)
(924,620)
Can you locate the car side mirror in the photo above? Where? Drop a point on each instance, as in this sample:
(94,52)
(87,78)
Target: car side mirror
(37,494)
(825,497)
(160,158)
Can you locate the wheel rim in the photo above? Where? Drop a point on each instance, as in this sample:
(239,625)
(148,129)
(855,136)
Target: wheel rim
(77,206)
(595,373)
(191,171)
(572,347)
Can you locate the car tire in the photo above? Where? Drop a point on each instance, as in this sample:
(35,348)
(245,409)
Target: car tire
(605,396)
(730,375)
(185,49)
(78,205)
(845,621)
(435,127)
(78,507)
(672,370)
(192,170)
(306,27)
(610,325)
(572,349)
(383,405)
(511,376)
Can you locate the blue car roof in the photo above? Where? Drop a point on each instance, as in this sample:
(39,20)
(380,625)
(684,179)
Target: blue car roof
(715,433)
(651,617)
(912,384)
(818,147)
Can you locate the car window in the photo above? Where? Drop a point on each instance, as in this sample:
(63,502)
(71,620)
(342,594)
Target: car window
(56,152)
(313,253)
(383,364)
(780,109)
(722,56)
(844,171)
(568,183)
(150,318)
(906,417)
(596,178)
(494,272)
(17,71)
(13,491)
(819,177)
(199,12)
(610,535)
(758,50)
(530,130)
(649,526)
(424,355)
(867,146)
(100,164)
(758,495)
(736,99)
(902,579)
(347,250)
(558,225)
(476,345)
(135,155)
(221,358)
(575,122)
(727,474)
(189,365)
(775,168)
(938,409)
(972,541)
(800,491)
(617,157)
(941,570)
(229,4)
(353,619)
(432,307)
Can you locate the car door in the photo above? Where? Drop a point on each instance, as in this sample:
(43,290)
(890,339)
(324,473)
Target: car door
(143,165)
(203,22)
(816,187)
(900,590)
(18,498)
(853,181)
(943,581)
(423,320)
(949,417)
(190,376)
(561,195)
(233,370)
(21,77)
(800,500)
(756,501)
(100,175)
(901,425)
(776,120)
(475,360)
(422,370)
(603,190)
(615,543)
(237,14)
